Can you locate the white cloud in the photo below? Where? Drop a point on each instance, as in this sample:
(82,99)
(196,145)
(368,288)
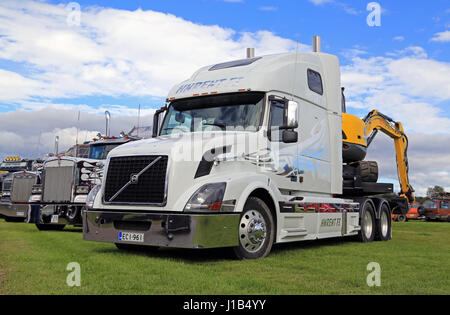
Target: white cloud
(113,52)
(339,4)
(399,38)
(268,8)
(143,53)
(23,130)
(441,37)
(407,86)
(428,157)
(320,2)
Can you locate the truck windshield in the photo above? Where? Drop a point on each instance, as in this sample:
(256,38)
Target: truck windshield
(6,166)
(242,111)
(100,151)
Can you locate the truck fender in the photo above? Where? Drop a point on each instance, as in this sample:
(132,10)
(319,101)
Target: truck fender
(261,183)
(378,202)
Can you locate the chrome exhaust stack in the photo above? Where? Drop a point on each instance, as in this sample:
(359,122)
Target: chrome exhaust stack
(56,145)
(108,120)
(316,44)
(250,53)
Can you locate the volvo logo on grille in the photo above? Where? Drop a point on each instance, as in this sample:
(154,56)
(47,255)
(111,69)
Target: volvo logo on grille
(134,179)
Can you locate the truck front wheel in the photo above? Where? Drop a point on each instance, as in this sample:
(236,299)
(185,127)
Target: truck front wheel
(256,230)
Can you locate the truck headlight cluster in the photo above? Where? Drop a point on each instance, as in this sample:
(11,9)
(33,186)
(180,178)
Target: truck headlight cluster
(207,198)
(91,196)
(82,190)
(36,190)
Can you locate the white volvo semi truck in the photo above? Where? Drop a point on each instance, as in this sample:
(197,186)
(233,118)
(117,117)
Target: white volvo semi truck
(245,154)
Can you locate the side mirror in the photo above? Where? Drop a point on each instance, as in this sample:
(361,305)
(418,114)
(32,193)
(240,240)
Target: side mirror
(291,115)
(156,121)
(179,117)
(289,136)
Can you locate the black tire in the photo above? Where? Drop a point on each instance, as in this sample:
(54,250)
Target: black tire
(135,248)
(367,222)
(401,218)
(7,219)
(384,224)
(252,244)
(73,215)
(50,227)
(421,211)
(369,171)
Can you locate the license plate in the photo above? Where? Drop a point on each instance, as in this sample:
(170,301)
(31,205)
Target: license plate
(131,237)
(54,219)
(20,214)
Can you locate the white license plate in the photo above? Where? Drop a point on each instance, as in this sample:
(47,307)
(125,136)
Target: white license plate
(54,219)
(20,214)
(131,237)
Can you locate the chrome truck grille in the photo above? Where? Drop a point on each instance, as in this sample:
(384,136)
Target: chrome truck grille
(58,181)
(21,187)
(136,180)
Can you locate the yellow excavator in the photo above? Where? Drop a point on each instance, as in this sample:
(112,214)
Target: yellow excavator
(357,135)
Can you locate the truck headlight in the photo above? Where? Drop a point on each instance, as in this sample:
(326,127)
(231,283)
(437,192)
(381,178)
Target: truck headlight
(207,198)
(91,196)
(82,190)
(36,190)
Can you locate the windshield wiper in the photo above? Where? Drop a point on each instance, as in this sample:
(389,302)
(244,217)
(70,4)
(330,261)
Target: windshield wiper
(171,128)
(217,124)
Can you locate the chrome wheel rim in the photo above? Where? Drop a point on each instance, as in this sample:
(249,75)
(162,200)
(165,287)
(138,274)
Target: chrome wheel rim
(71,213)
(384,223)
(368,224)
(252,231)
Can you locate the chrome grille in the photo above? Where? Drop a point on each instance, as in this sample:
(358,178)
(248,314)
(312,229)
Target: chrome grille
(21,187)
(150,187)
(58,183)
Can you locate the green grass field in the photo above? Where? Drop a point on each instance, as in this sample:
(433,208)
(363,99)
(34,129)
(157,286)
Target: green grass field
(416,261)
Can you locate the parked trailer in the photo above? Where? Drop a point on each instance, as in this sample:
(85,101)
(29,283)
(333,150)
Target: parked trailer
(249,154)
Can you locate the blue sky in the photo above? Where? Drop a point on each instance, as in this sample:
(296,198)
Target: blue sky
(341,23)
(124,53)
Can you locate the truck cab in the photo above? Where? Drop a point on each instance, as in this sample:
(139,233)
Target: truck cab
(437,209)
(12,171)
(245,154)
(61,189)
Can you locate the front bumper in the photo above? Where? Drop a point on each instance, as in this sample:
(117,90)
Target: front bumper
(163,229)
(10,210)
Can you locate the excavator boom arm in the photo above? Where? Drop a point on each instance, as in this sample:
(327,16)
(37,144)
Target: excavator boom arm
(376,121)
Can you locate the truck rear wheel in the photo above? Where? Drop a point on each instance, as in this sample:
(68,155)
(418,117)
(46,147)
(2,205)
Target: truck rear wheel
(384,224)
(367,222)
(256,230)
(50,227)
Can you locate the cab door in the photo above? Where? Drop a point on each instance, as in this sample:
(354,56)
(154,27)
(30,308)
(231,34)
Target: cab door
(444,209)
(283,142)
